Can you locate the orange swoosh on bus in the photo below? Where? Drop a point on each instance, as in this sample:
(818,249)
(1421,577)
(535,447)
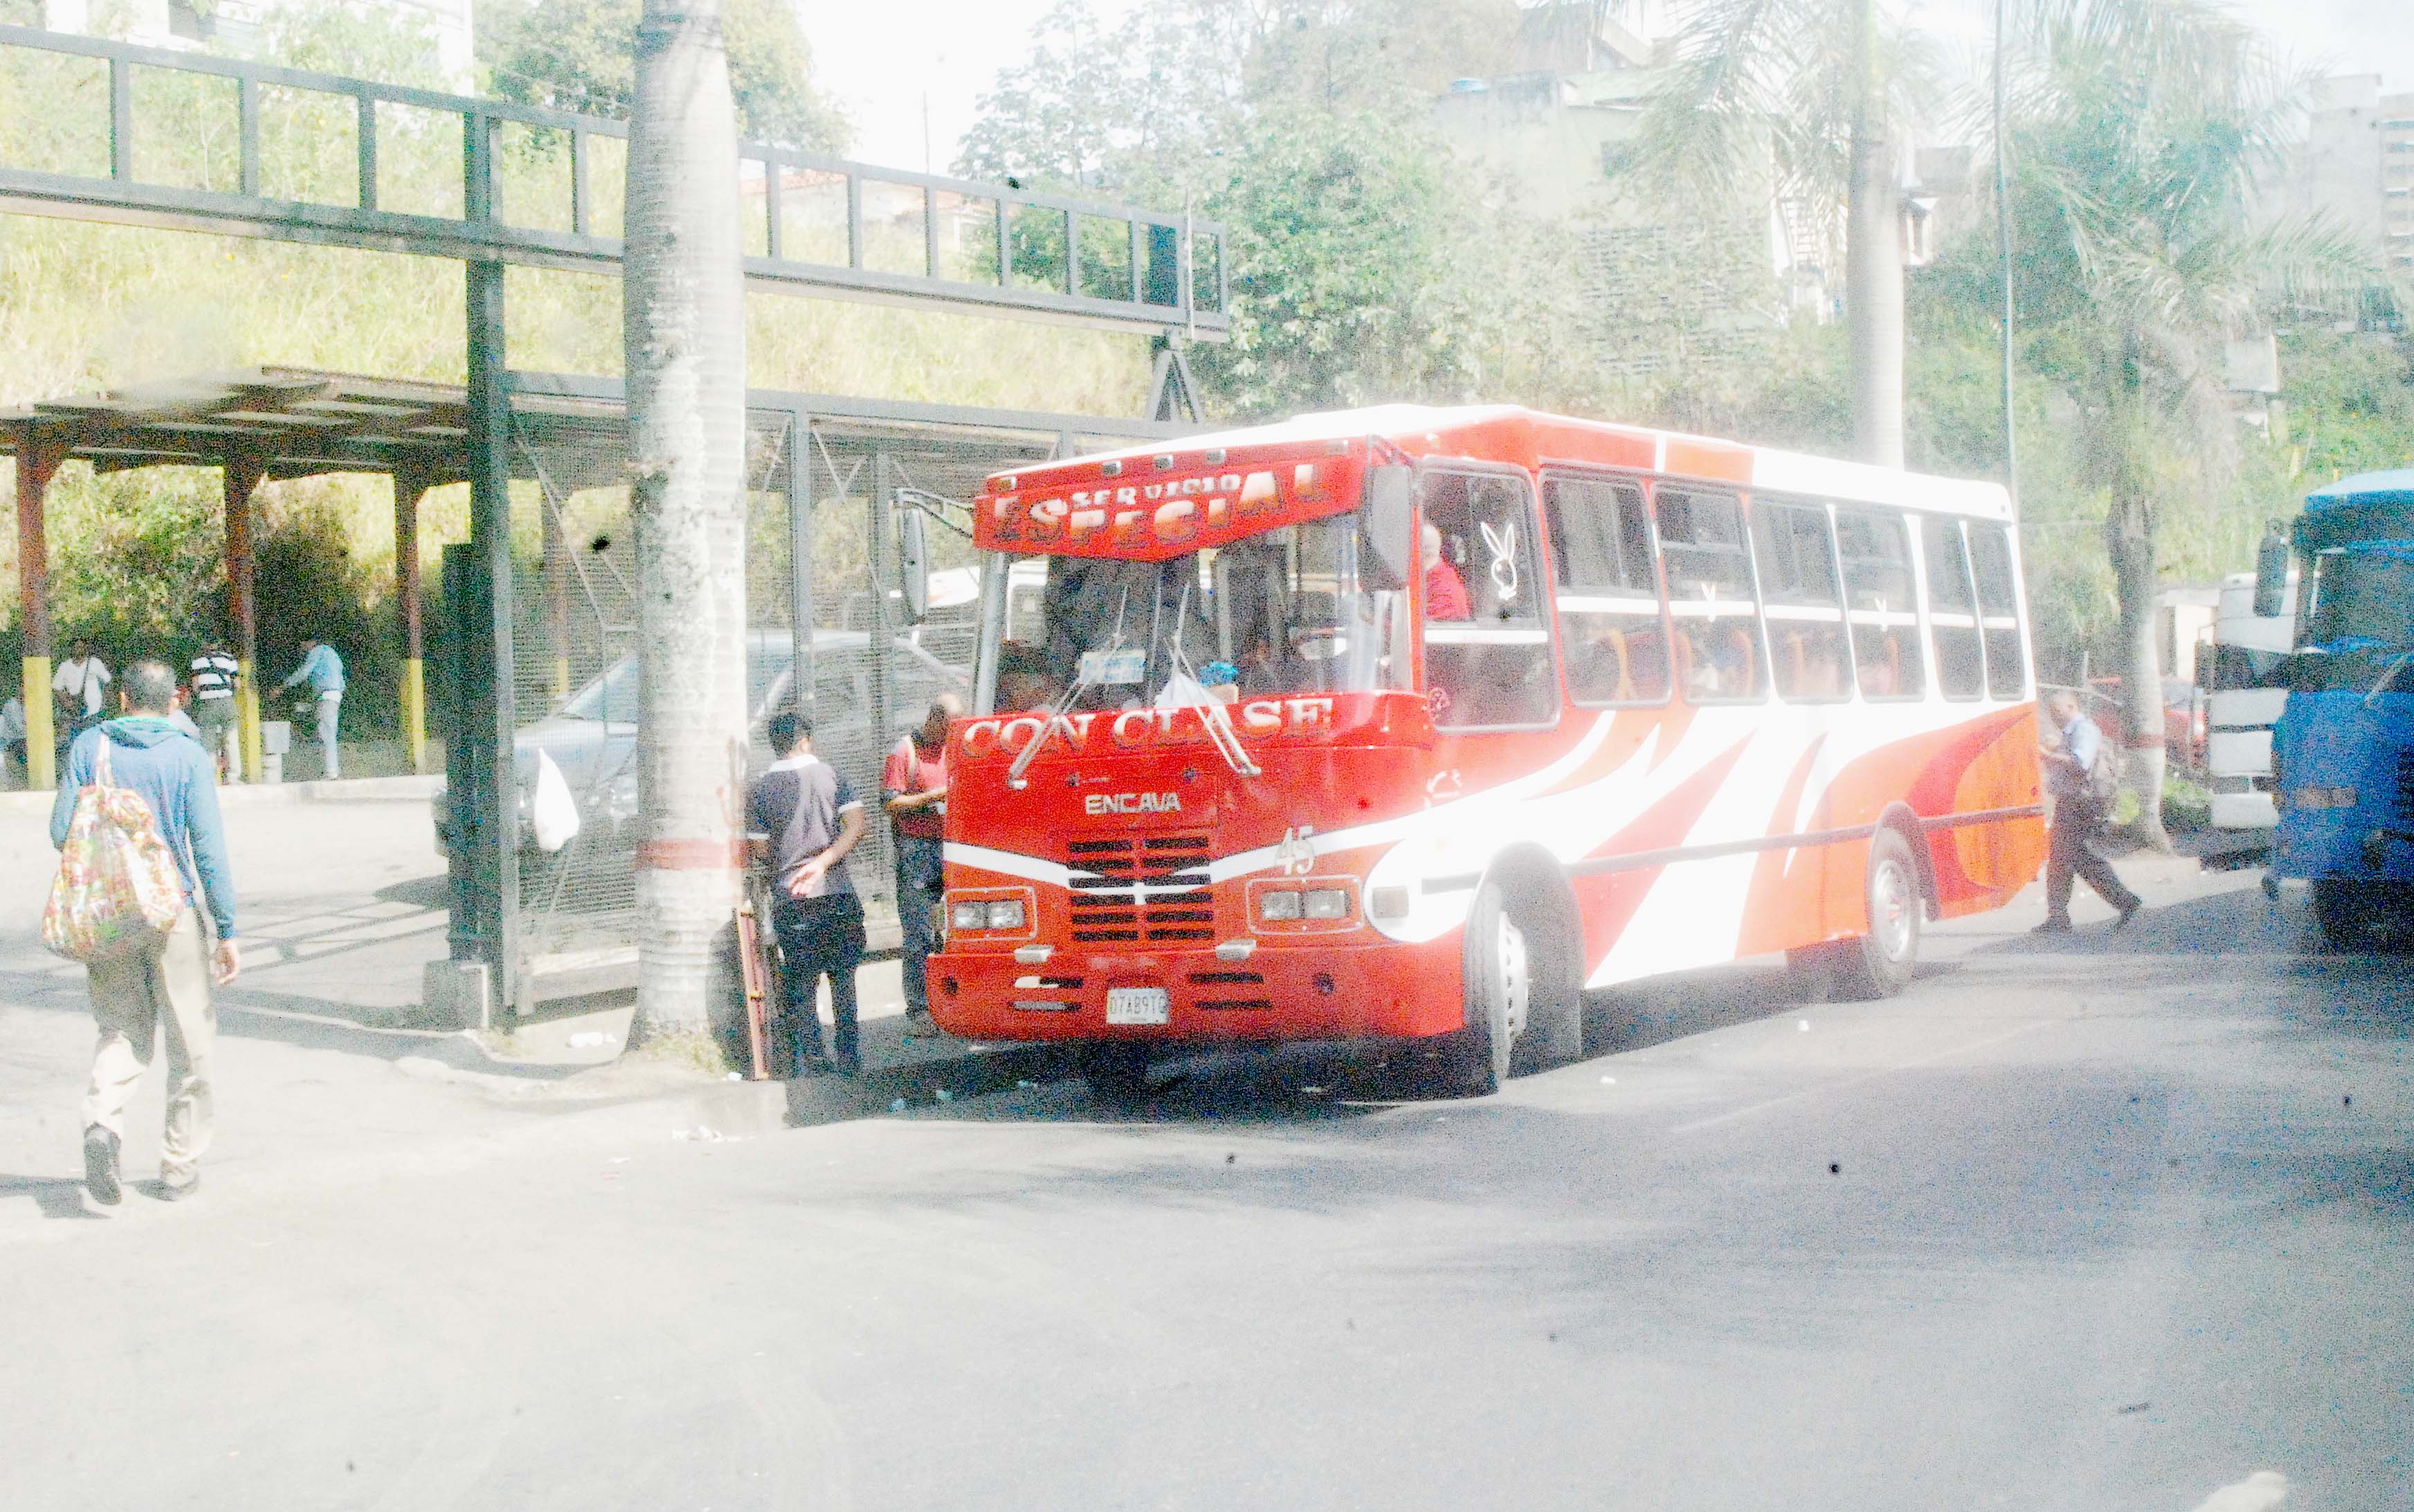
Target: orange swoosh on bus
(1662,826)
(1768,922)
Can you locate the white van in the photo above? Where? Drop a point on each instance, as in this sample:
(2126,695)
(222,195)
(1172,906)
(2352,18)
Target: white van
(2243,672)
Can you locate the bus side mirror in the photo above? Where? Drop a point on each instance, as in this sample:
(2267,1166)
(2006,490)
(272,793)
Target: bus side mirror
(2271,571)
(913,564)
(1391,519)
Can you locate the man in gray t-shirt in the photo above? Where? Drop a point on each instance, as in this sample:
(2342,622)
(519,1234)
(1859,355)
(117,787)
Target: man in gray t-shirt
(803,818)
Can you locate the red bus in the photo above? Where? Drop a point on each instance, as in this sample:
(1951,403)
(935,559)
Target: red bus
(1417,722)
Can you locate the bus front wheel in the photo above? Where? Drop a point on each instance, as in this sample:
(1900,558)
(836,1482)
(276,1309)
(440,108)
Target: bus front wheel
(1879,963)
(2365,915)
(1523,991)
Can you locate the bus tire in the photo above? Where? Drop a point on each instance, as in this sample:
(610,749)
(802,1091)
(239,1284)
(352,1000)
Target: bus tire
(1498,986)
(1117,1072)
(1879,964)
(2363,916)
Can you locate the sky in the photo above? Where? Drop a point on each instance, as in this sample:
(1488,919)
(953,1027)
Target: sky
(886,60)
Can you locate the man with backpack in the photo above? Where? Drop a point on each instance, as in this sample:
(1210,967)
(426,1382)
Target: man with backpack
(2082,776)
(145,978)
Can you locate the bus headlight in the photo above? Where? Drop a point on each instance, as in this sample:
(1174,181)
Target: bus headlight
(1278,906)
(1325,903)
(2310,797)
(993,913)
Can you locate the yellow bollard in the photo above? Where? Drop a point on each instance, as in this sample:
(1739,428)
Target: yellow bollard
(41,735)
(247,700)
(415,713)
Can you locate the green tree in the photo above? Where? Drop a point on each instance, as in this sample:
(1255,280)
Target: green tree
(2140,132)
(1804,97)
(1339,227)
(581,55)
(1352,278)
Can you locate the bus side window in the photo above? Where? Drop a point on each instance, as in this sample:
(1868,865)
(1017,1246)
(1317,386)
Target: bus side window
(1610,624)
(1999,610)
(1718,643)
(1952,610)
(1799,597)
(1881,603)
(1487,633)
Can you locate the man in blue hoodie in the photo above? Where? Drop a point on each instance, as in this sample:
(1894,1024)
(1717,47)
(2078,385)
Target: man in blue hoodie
(168,981)
(323,670)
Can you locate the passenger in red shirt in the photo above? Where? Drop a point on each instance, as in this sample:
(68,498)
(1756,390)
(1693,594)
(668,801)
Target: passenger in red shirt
(1445,595)
(913,791)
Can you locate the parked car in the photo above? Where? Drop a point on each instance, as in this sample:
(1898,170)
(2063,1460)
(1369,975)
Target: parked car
(2183,718)
(592,737)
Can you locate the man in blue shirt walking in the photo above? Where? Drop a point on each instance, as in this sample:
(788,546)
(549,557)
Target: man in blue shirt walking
(325,671)
(165,982)
(2078,818)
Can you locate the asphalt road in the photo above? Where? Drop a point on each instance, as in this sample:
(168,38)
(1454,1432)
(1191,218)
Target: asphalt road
(2116,1224)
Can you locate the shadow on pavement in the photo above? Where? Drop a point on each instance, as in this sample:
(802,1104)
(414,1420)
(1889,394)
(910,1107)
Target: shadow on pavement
(434,893)
(57,1197)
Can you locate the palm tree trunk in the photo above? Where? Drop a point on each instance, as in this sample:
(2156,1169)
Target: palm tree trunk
(683,325)
(2129,539)
(1873,256)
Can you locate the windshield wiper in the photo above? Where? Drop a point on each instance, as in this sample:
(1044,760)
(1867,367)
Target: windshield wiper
(2371,699)
(1218,724)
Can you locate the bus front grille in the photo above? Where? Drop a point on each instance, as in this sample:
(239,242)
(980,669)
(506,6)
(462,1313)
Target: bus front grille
(1141,890)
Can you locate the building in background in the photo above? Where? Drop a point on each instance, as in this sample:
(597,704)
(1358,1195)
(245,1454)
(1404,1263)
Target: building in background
(2356,165)
(1716,277)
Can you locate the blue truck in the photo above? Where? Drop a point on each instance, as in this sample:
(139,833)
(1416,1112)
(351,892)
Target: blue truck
(2343,748)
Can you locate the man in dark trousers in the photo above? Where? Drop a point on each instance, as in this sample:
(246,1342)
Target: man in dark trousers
(803,821)
(166,981)
(2078,818)
(914,791)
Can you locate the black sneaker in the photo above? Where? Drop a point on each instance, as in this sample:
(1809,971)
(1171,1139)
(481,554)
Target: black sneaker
(2052,926)
(2128,912)
(176,1189)
(100,1166)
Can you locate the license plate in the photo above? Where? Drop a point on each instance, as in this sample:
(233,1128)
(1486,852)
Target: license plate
(1136,1005)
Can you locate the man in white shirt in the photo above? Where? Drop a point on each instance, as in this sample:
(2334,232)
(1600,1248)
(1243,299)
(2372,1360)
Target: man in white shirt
(81,685)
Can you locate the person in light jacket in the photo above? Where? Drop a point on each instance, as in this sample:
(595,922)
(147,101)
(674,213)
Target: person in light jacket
(325,671)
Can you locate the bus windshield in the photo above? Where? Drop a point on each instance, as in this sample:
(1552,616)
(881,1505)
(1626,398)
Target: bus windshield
(2358,619)
(1289,611)
(2362,598)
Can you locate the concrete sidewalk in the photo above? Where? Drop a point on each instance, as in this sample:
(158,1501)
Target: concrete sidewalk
(320,1071)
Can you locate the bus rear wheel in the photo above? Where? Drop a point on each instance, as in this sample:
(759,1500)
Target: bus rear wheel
(1879,964)
(2365,915)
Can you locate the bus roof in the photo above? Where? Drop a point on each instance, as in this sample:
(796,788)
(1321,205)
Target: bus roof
(1510,432)
(2364,488)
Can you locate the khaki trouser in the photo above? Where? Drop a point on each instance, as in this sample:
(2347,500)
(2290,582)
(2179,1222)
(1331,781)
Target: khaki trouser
(132,997)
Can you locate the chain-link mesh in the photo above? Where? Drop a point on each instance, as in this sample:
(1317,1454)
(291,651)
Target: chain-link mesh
(575,647)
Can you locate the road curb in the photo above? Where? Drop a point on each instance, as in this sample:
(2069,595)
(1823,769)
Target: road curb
(763,1107)
(271,794)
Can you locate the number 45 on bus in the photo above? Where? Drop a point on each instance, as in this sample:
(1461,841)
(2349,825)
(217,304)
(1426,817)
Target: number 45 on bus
(1414,723)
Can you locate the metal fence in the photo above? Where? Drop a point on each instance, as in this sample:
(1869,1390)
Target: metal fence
(828,481)
(105,131)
